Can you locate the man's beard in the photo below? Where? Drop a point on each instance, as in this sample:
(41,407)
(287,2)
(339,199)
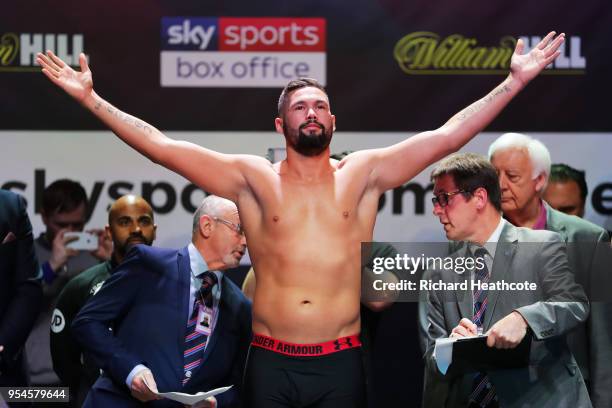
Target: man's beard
(308,144)
(124,247)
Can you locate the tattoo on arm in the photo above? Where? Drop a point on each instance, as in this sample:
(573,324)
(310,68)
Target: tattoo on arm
(479,105)
(130,120)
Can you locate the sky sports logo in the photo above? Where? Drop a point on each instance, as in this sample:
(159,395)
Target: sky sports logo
(241,52)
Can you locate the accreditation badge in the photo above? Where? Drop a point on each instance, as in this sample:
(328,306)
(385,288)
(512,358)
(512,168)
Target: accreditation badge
(204,323)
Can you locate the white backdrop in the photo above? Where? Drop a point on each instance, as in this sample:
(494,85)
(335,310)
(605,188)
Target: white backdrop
(100,158)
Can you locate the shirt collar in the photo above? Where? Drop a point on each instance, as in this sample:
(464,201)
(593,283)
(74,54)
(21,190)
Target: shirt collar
(491,243)
(197,263)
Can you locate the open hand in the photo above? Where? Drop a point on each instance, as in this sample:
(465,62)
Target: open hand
(525,67)
(77,84)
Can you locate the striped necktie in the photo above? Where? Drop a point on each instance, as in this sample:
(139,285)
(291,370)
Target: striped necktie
(195,342)
(479,295)
(483,393)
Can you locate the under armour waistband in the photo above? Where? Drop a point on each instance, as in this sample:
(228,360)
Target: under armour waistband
(306,350)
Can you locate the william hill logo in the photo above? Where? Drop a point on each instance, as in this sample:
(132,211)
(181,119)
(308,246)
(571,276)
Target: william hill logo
(18,51)
(427,53)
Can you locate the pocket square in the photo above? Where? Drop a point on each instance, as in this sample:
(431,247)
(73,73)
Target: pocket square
(9,237)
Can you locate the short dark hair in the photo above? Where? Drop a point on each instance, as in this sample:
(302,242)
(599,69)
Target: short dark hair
(560,172)
(62,196)
(294,85)
(469,172)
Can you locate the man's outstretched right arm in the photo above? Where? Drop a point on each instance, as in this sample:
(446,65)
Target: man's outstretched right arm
(201,166)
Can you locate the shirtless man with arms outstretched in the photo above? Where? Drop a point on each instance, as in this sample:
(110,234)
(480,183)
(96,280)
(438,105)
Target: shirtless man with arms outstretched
(307,217)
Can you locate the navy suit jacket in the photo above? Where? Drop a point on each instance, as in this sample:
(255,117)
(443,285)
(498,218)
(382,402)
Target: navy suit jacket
(20,291)
(146,301)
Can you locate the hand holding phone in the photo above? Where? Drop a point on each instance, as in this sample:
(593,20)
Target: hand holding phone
(84,241)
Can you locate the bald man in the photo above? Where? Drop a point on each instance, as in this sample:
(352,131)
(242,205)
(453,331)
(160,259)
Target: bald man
(130,221)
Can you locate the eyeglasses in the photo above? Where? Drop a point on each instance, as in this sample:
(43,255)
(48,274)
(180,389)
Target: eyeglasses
(443,198)
(236,227)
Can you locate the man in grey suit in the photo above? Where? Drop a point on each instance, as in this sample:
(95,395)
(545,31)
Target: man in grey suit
(523,165)
(467,202)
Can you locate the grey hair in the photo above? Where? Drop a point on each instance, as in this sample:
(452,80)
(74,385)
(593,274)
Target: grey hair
(211,205)
(538,153)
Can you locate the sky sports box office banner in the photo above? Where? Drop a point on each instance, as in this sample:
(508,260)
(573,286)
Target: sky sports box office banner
(389,65)
(392,69)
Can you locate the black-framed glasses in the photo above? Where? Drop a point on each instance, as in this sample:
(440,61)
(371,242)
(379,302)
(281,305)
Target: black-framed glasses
(236,227)
(442,199)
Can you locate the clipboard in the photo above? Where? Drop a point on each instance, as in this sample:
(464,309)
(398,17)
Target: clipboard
(472,354)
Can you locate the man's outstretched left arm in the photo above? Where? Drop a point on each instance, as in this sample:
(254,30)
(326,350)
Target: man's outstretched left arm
(395,165)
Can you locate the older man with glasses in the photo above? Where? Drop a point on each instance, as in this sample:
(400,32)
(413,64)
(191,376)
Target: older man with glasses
(179,323)
(467,201)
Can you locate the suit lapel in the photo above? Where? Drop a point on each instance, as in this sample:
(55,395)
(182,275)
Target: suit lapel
(504,252)
(553,224)
(183,288)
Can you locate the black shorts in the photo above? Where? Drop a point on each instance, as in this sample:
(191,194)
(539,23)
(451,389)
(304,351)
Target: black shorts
(331,380)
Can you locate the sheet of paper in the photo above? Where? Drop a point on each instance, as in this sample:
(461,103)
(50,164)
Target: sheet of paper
(189,399)
(443,353)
